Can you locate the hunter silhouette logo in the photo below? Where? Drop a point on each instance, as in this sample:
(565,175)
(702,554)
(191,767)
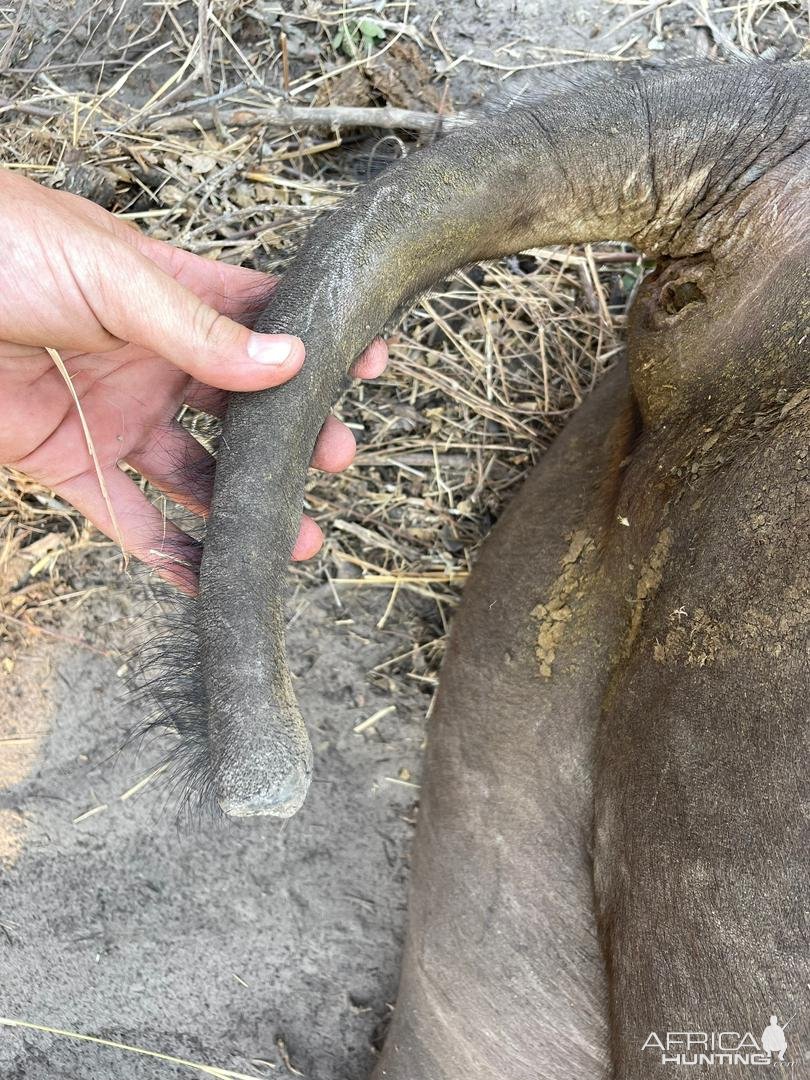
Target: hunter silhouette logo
(774,1041)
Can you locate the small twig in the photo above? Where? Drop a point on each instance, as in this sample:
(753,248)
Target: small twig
(197,103)
(285,62)
(91,448)
(206,1070)
(281,1046)
(720,37)
(13,34)
(90,813)
(27,110)
(330,116)
(141,784)
(639,13)
(370,721)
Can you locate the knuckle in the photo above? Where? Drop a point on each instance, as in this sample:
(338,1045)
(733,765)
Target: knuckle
(211,329)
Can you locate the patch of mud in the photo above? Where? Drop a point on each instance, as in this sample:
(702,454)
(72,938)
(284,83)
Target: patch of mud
(553,616)
(694,641)
(698,640)
(647,585)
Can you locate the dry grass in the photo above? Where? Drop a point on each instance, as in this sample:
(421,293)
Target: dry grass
(164,111)
(166,1059)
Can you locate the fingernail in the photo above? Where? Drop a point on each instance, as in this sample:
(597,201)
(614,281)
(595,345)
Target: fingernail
(268,349)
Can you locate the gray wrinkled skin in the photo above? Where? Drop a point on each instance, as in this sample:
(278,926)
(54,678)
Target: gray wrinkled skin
(611,839)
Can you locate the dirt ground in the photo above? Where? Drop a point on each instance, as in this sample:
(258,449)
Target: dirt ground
(259,949)
(205,942)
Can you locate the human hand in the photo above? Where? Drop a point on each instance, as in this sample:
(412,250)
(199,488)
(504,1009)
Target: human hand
(142,327)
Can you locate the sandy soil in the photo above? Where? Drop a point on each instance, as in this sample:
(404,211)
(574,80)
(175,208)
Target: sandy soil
(204,941)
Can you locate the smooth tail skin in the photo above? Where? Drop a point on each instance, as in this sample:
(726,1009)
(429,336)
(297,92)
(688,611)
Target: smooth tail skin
(651,162)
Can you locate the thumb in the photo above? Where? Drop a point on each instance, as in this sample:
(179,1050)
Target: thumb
(142,304)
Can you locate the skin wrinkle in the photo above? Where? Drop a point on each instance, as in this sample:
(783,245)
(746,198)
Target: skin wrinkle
(769,123)
(22,464)
(743,178)
(717,191)
(107,341)
(710,183)
(650,157)
(537,121)
(44,245)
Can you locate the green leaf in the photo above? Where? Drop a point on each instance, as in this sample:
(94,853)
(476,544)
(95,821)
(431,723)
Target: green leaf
(370,30)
